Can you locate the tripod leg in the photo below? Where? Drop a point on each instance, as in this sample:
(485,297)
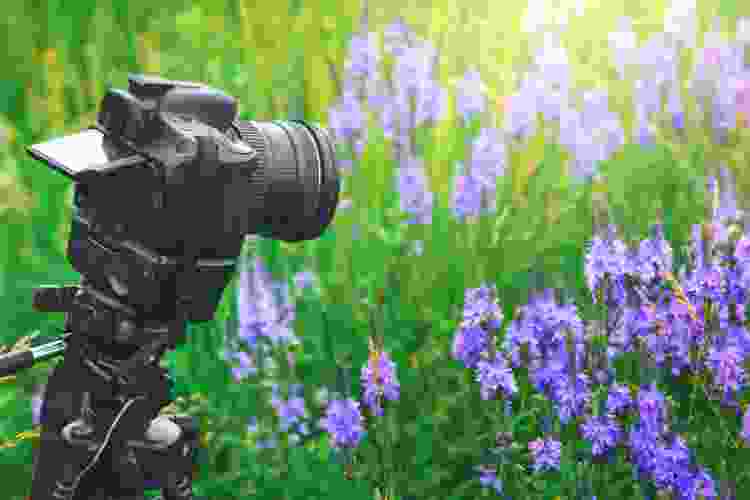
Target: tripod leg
(168,455)
(58,463)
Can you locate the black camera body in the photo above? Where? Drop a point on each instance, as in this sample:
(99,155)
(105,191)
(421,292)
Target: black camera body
(182,183)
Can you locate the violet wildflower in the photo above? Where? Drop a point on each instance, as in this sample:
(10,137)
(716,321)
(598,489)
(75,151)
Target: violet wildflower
(415,197)
(652,409)
(469,343)
(343,421)
(699,486)
(654,255)
(466,197)
(379,381)
(397,37)
(246,366)
(618,399)
(304,279)
(481,313)
(571,400)
(545,454)
(471,95)
(290,412)
(520,120)
(742,249)
(431,102)
(745,432)
(642,445)
(496,377)
(481,306)
(488,478)
(488,159)
(671,464)
(363,57)
(265,308)
(726,366)
(415,65)
(602,431)
(347,120)
(675,107)
(623,43)
(604,257)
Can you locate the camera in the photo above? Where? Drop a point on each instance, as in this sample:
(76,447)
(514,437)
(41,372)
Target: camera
(170,178)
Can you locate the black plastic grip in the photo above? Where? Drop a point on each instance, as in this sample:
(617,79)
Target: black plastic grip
(15,362)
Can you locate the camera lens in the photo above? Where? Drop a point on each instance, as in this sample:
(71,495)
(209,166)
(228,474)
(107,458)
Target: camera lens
(294,183)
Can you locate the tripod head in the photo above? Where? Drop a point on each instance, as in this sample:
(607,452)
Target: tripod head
(167,184)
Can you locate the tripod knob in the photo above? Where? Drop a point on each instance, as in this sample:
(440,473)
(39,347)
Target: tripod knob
(50,298)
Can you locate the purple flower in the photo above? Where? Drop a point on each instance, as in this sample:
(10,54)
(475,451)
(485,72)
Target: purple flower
(481,305)
(671,462)
(246,366)
(488,478)
(745,432)
(363,56)
(700,483)
(394,114)
(552,63)
(675,108)
(642,445)
(290,412)
(726,365)
(654,255)
(466,198)
(397,37)
(379,380)
(488,158)
(414,66)
(618,399)
(415,197)
(520,119)
(304,279)
(346,119)
(742,249)
(265,308)
(495,376)
(431,102)
(343,421)
(571,399)
(652,409)
(470,95)
(545,454)
(604,256)
(468,344)
(603,433)
(624,44)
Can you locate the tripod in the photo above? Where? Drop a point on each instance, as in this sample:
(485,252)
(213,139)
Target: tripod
(101,435)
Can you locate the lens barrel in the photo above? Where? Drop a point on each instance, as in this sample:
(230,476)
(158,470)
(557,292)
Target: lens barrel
(295,180)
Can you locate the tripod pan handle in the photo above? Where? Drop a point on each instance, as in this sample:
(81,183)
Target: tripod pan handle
(15,362)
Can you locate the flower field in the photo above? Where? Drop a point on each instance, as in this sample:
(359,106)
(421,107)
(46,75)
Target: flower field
(536,280)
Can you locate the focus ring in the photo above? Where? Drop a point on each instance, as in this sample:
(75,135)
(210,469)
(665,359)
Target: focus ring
(252,136)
